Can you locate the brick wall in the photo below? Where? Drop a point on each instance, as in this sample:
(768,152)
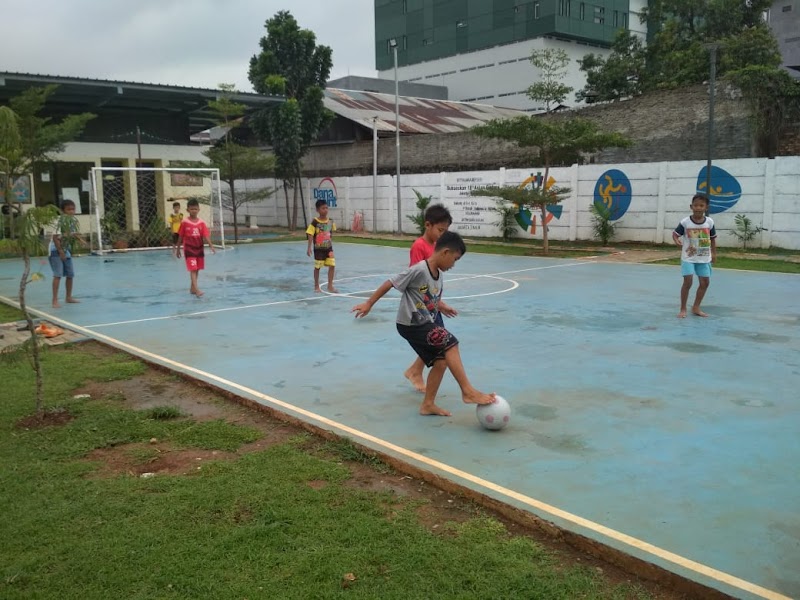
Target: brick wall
(670,125)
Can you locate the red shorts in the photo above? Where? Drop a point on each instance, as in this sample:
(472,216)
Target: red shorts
(195,263)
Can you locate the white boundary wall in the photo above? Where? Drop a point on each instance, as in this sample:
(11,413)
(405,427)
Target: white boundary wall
(661,196)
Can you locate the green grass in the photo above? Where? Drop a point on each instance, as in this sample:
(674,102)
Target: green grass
(164,413)
(8,314)
(246,528)
(759,264)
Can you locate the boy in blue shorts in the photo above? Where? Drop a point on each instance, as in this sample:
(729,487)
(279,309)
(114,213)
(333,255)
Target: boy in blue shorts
(422,285)
(698,241)
(60,251)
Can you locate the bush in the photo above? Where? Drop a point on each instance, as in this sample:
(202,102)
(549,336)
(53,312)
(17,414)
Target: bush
(419,218)
(603,228)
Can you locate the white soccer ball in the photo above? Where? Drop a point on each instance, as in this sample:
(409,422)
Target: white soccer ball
(495,415)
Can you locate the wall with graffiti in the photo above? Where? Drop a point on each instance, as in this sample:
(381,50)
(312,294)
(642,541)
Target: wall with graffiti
(645,200)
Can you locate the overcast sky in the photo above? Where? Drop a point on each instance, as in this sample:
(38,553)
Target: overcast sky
(197,43)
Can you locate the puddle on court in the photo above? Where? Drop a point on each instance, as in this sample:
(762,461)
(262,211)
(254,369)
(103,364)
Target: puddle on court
(755,403)
(692,347)
(565,443)
(538,411)
(751,336)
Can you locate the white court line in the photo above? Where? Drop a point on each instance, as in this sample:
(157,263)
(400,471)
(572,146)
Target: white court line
(602,530)
(324,295)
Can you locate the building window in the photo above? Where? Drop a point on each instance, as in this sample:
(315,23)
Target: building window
(599,15)
(569,8)
(625,20)
(787,8)
(405,43)
(405,6)
(616,18)
(535,10)
(582,11)
(561,4)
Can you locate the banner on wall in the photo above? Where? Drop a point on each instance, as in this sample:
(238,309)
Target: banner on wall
(472,215)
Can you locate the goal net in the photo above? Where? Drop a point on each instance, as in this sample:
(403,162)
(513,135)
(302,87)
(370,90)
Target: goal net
(130,206)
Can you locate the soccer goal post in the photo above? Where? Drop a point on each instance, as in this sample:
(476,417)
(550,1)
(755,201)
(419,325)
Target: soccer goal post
(130,206)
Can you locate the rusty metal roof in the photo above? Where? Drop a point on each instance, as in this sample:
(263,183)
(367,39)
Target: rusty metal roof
(417,115)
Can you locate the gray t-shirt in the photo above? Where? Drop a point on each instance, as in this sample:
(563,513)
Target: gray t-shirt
(421,294)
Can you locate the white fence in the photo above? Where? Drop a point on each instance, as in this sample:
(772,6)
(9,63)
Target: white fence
(651,198)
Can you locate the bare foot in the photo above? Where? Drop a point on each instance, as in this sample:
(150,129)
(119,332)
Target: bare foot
(56,305)
(198,293)
(682,314)
(318,290)
(332,290)
(73,301)
(415,377)
(433,410)
(473,396)
(699,313)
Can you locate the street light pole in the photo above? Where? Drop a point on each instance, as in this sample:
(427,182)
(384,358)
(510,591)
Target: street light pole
(712,47)
(374,174)
(393,44)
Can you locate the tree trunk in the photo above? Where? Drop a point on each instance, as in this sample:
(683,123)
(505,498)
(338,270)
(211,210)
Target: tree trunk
(294,208)
(288,214)
(303,204)
(37,363)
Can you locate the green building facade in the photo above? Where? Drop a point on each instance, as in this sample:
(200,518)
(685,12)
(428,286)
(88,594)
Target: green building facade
(432,29)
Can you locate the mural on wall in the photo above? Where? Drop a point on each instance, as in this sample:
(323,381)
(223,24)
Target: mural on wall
(613,191)
(20,191)
(326,190)
(725,189)
(525,219)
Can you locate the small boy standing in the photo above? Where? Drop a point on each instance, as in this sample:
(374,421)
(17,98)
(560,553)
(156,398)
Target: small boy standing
(174,221)
(698,241)
(422,286)
(192,234)
(319,235)
(60,251)
(437,220)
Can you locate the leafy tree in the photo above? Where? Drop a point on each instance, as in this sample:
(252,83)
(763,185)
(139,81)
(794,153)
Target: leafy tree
(291,64)
(38,138)
(552,64)
(603,227)
(680,29)
(773,97)
(236,161)
(619,75)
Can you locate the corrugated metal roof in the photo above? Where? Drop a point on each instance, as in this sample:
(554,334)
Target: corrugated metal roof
(417,115)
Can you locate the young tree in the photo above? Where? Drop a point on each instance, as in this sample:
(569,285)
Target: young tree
(292,64)
(39,138)
(236,161)
(551,142)
(552,64)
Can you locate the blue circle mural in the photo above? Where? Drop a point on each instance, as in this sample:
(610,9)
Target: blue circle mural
(725,189)
(613,190)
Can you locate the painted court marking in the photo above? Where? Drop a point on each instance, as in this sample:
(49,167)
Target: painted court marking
(514,286)
(533,503)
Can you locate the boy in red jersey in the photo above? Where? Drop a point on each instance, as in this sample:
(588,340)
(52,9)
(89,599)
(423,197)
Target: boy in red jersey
(437,220)
(192,234)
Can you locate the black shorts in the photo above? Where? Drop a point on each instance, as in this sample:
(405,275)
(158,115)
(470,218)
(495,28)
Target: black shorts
(175,237)
(430,341)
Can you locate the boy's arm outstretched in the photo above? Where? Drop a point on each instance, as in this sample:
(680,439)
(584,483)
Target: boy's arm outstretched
(362,310)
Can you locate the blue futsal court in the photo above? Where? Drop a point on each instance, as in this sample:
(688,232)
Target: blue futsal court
(675,441)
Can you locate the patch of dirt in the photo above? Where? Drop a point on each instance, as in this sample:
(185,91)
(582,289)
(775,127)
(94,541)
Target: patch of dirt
(156,458)
(49,418)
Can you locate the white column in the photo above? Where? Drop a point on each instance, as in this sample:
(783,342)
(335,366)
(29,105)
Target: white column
(574,178)
(662,203)
(769,202)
